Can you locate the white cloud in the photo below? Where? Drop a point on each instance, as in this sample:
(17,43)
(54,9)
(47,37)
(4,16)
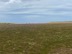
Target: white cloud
(49,7)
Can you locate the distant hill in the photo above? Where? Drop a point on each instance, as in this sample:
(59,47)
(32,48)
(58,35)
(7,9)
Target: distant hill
(58,22)
(65,22)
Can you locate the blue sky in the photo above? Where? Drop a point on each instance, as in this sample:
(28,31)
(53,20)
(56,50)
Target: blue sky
(35,11)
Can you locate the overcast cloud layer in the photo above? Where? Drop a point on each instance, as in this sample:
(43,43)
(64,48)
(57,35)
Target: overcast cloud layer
(35,10)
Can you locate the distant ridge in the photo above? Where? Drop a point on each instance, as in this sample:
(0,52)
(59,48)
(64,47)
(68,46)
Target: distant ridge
(58,22)
(65,22)
(6,23)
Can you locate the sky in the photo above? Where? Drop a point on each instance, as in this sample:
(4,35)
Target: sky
(35,11)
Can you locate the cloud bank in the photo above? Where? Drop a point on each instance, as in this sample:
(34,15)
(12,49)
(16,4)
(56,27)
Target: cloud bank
(32,10)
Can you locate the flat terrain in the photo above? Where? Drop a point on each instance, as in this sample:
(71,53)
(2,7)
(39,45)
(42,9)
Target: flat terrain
(36,38)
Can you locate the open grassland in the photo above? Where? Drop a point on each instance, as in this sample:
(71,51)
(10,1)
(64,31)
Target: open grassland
(36,38)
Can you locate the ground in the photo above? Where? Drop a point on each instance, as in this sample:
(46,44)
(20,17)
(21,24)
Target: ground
(36,38)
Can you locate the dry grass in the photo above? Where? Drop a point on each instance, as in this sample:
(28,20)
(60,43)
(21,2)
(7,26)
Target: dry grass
(36,38)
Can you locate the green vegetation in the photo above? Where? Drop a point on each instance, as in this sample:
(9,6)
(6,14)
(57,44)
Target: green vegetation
(35,38)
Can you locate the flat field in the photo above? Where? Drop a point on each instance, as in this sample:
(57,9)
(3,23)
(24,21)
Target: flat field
(36,38)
